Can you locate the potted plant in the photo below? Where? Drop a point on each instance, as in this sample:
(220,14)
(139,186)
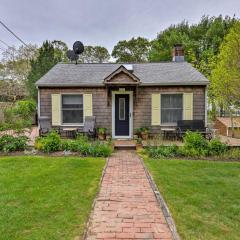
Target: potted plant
(101,133)
(138,143)
(144,133)
(108,135)
(137,132)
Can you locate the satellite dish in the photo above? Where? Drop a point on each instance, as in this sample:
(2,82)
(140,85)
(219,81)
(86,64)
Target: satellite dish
(78,47)
(72,56)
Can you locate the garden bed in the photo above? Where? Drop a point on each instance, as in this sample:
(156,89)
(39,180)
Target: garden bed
(53,145)
(195,147)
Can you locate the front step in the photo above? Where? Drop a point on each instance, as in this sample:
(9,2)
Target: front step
(124,145)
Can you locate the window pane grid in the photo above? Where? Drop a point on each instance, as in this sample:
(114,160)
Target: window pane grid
(72,109)
(171,108)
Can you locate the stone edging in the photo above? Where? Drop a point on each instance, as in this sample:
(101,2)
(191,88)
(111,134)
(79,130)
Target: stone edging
(93,205)
(162,203)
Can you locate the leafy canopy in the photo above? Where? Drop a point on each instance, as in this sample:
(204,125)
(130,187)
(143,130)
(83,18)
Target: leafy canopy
(94,54)
(201,41)
(225,79)
(135,50)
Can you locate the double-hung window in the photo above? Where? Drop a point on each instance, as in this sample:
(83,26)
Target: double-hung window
(171,108)
(72,109)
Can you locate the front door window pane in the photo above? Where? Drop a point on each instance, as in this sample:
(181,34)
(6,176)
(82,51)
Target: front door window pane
(121,108)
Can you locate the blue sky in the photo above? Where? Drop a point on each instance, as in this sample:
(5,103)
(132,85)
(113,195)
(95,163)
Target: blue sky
(101,22)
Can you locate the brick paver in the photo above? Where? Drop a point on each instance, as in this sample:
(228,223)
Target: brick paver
(126,207)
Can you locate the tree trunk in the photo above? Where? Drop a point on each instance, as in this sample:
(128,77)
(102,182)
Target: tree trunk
(232,124)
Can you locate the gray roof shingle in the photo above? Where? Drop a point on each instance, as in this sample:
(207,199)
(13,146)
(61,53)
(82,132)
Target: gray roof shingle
(165,73)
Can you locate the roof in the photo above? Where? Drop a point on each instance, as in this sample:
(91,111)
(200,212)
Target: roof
(93,74)
(227,121)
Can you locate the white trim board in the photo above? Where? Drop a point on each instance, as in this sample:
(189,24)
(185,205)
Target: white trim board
(130,93)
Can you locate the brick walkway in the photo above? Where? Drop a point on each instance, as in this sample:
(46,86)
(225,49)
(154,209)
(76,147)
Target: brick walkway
(126,207)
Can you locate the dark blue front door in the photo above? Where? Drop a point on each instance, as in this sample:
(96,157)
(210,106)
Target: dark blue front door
(121,115)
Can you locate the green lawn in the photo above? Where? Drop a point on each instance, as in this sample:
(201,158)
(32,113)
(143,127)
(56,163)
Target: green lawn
(46,197)
(203,196)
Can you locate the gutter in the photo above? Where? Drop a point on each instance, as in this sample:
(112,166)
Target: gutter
(142,84)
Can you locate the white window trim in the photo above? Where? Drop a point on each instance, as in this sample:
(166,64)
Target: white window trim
(114,93)
(169,124)
(71,124)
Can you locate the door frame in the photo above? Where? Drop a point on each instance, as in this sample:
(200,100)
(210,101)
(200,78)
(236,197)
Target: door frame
(130,93)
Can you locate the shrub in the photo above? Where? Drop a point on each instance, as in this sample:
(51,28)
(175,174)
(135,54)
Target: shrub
(216,147)
(81,145)
(100,150)
(194,145)
(25,108)
(10,143)
(20,115)
(233,154)
(162,151)
(50,143)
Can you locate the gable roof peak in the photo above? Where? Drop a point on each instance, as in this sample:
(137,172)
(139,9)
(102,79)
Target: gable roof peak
(131,78)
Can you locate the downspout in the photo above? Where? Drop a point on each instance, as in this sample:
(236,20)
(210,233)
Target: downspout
(206,106)
(38,104)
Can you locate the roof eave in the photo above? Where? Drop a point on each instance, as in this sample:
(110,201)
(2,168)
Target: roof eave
(142,84)
(176,84)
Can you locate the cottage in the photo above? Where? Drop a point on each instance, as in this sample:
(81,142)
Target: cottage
(123,96)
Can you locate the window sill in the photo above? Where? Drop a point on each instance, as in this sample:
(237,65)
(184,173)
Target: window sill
(72,125)
(168,125)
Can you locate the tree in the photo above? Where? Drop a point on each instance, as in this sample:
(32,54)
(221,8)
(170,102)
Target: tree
(46,59)
(16,61)
(94,54)
(201,41)
(161,49)
(60,49)
(135,50)
(225,78)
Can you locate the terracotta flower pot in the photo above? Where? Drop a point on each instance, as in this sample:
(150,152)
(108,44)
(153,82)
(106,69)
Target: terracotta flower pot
(108,137)
(144,136)
(139,146)
(101,137)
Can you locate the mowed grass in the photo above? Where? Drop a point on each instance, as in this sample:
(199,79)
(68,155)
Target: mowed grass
(46,197)
(203,196)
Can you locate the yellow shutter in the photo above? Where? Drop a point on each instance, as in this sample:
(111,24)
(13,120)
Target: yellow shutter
(56,109)
(188,106)
(156,109)
(87,101)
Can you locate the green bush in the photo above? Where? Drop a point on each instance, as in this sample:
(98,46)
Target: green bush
(81,144)
(195,145)
(216,147)
(162,151)
(50,143)
(19,116)
(100,150)
(10,143)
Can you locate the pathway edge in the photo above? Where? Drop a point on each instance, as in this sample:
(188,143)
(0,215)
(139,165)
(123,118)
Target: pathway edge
(161,202)
(85,234)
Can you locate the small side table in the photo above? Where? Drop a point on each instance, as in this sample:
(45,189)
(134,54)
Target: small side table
(169,132)
(70,132)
